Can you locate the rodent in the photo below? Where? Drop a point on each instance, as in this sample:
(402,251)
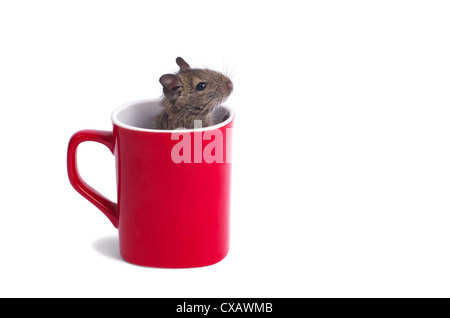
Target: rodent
(190,95)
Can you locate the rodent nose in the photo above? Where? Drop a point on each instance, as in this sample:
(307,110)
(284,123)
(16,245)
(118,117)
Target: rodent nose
(230,86)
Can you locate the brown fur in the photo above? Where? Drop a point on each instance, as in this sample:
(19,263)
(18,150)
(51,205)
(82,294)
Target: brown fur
(183,103)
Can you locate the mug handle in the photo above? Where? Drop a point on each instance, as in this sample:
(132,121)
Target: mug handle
(105,205)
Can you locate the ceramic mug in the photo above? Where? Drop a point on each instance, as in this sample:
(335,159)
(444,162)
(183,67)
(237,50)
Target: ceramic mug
(173,199)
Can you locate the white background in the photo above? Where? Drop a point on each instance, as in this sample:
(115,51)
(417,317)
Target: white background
(341,167)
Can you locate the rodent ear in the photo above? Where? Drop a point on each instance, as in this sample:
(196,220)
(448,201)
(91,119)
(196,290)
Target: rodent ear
(170,83)
(182,64)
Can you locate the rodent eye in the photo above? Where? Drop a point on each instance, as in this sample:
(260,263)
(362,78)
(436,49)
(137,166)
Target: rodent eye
(200,86)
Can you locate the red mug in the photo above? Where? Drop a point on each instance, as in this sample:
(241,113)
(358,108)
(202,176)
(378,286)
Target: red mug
(173,199)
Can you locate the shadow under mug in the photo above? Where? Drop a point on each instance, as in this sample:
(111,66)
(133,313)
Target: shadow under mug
(173,200)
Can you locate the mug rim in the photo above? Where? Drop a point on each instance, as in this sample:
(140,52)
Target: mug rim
(121,124)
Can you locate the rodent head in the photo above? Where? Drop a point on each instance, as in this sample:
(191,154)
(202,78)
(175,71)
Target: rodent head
(201,89)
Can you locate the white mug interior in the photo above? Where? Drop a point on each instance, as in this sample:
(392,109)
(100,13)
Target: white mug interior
(138,115)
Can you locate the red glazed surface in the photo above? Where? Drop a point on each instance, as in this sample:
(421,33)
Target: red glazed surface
(168,214)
